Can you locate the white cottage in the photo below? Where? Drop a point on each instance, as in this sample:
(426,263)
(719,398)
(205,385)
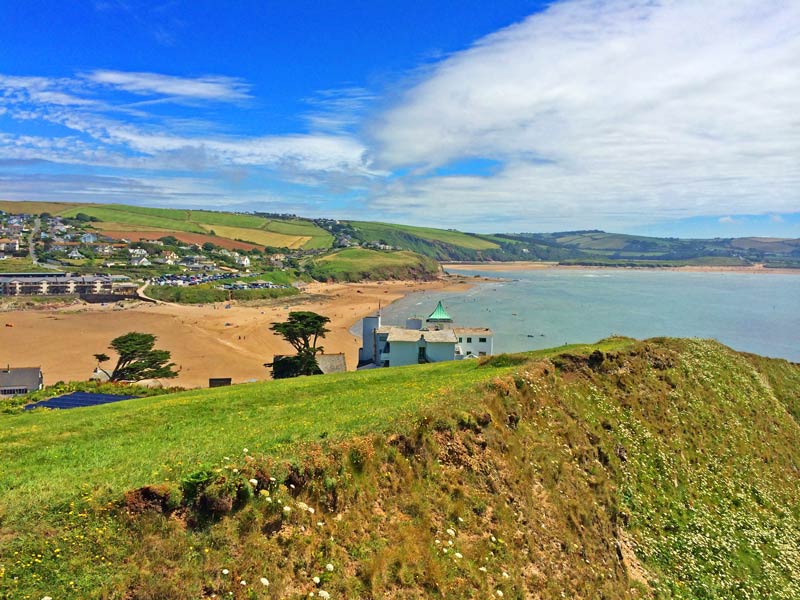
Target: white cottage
(390,346)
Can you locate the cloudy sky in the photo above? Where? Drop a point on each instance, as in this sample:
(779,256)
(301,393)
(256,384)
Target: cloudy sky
(664,117)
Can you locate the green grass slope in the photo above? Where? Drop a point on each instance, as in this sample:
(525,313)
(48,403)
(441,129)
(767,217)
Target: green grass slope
(665,468)
(374,232)
(358,264)
(246,227)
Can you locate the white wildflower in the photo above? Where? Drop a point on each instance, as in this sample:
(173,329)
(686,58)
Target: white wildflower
(310,510)
(236,470)
(505,575)
(272,479)
(329,568)
(254,481)
(242,582)
(482,569)
(459,555)
(451,532)
(225,571)
(264,581)
(46,598)
(287,509)
(315,580)
(499,593)
(244,450)
(449,542)
(323,594)
(302,506)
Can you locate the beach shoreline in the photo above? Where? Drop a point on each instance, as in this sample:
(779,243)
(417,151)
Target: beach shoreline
(205,340)
(541,266)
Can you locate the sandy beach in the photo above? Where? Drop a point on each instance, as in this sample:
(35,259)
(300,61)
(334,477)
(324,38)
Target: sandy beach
(205,341)
(535,266)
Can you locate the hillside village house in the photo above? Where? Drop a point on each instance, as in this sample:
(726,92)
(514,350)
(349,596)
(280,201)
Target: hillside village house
(243,261)
(9,245)
(18,381)
(439,340)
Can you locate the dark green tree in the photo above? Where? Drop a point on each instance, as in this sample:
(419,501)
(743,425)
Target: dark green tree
(139,360)
(302,330)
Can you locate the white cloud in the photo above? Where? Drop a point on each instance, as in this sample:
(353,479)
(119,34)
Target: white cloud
(210,87)
(727,220)
(107,134)
(607,112)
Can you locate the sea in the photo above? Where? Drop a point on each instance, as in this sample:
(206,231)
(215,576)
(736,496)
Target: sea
(535,309)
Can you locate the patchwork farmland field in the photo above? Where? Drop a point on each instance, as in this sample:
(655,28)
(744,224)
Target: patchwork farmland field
(136,235)
(258,236)
(239,228)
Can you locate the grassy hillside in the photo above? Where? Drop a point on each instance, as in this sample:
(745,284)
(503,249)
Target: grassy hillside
(589,247)
(375,232)
(281,233)
(357,264)
(666,468)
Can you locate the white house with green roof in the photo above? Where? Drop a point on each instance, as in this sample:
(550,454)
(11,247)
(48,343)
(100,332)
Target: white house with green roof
(440,340)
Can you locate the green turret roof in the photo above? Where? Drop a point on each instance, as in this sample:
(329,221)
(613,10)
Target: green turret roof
(440,314)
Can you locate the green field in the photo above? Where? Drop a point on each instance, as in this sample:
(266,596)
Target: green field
(21,265)
(207,294)
(356,264)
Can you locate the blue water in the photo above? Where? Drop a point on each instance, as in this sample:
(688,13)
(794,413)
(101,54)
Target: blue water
(757,313)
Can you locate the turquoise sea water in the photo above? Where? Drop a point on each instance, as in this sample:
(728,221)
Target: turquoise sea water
(757,313)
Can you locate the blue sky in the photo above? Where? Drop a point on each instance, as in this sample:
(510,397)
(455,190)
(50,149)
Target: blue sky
(649,116)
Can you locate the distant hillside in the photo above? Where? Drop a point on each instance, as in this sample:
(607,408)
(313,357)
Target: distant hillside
(249,230)
(664,469)
(600,247)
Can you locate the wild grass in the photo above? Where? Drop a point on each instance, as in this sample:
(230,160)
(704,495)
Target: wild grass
(529,475)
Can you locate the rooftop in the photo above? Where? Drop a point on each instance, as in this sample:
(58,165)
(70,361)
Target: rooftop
(439,314)
(27,377)
(472,330)
(401,334)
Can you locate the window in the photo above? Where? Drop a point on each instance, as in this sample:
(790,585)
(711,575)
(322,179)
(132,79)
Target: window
(421,353)
(469,340)
(460,340)
(482,340)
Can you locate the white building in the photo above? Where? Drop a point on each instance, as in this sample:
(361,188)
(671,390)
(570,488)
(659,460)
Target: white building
(389,346)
